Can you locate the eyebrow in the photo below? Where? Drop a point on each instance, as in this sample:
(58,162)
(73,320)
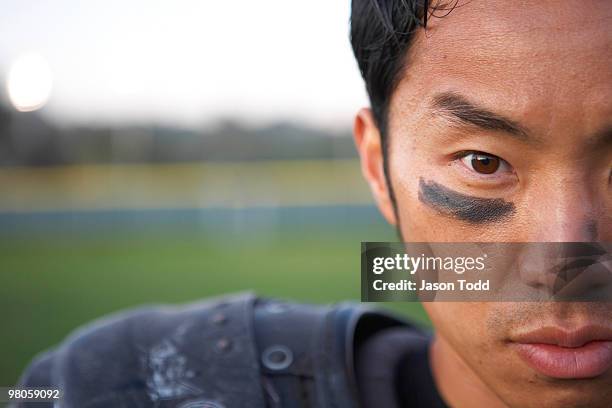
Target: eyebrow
(459,110)
(601,139)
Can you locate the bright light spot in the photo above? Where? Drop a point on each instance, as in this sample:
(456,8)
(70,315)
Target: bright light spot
(29,82)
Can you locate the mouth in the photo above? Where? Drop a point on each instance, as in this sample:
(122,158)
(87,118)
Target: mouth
(584,352)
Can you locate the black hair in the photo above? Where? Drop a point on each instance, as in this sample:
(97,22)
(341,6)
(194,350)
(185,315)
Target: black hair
(381,34)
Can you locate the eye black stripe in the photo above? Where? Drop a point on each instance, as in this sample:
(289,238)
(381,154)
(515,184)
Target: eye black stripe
(472,209)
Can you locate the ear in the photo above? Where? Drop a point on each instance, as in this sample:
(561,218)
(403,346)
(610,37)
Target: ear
(369,146)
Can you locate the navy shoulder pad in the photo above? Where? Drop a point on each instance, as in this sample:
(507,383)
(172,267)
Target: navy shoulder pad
(307,351)
(237,350)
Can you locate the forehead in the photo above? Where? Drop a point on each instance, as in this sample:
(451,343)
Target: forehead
(537,58)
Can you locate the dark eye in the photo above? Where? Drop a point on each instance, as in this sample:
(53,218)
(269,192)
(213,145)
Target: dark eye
(483,163)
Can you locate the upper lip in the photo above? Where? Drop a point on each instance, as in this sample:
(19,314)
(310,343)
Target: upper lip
(563,337)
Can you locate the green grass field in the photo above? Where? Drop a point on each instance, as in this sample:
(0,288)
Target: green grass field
(54,281)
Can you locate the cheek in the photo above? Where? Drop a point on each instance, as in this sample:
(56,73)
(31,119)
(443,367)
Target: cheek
(420,223)
(416,222)
(459,322)
(464,327)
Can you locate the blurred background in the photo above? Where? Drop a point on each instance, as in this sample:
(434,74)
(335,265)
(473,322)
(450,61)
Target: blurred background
(165,151)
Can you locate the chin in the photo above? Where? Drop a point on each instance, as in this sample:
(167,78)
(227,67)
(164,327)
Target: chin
(541,391)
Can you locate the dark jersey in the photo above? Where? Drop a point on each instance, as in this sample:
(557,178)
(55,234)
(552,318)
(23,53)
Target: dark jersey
(241,350)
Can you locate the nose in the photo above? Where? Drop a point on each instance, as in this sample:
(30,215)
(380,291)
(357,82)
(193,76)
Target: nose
(565,227)
(565,270)
(564,211)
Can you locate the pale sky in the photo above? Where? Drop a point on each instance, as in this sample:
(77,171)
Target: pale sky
(189,61)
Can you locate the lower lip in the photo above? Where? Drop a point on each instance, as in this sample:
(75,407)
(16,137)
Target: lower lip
(590,360)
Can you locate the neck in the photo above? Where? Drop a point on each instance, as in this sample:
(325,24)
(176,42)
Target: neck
(457,383)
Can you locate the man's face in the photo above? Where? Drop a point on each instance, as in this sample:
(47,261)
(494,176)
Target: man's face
(529,83)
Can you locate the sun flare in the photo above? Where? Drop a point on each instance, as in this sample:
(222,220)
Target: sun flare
(29,82)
